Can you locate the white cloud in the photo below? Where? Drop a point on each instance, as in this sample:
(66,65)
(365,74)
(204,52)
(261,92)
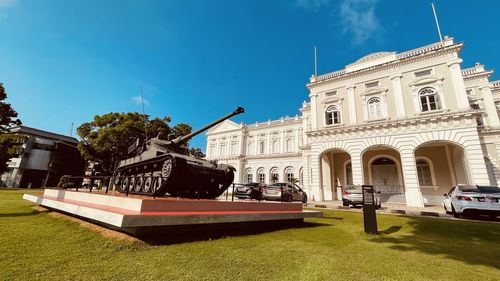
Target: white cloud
(7,3)
(358,17)
(138,100)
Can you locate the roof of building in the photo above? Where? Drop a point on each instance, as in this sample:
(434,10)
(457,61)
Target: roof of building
(41,133)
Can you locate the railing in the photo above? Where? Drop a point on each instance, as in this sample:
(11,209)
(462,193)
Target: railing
(106,183)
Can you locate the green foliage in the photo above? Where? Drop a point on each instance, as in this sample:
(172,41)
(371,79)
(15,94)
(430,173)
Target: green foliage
(106,139)
(63,181)
(7,113)
(10,145)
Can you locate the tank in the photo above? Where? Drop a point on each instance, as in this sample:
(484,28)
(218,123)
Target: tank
(166,167)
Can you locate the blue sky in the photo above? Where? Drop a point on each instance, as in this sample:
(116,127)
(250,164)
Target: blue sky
(65,61)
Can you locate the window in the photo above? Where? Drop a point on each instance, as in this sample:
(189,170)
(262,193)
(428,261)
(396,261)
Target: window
(429,99)
(223,149)
(423,73)
(261,175)
(289,174)
(250,148)
(262,147)
(469,92)
(289,145)
(348,173)
(276,146)
(249,175)
(332,115)
(374,108)
(212,150)
(234,148)
(331,93)
(274,175)
(372,84)
(424,173)
(301,176)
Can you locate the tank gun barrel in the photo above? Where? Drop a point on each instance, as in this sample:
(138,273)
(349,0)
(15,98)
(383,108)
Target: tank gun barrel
(182,139)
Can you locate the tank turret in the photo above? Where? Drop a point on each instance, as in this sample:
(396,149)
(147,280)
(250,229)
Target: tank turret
(165,166)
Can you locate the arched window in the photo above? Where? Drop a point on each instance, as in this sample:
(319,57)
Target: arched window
(262,147)
(261,175)
(429,99)
(424,173)
(276,146)
(274,175)
(289,174)
(249,176)
(375,108)
(348,173)
(289,145)
(332,115)
(250,148)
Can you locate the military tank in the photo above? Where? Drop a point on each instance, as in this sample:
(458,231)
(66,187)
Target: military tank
(166,167)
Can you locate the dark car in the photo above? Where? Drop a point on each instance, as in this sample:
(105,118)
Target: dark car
(284,191)
(252,190)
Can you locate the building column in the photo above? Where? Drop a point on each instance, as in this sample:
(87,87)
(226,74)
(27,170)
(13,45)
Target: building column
(352,104)
(398,95)
(489,105)
(458,84)
(357,168)
(314,175)
(412,187)
(314,123)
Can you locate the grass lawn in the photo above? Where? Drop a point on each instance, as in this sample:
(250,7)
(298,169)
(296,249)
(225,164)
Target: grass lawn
(38,246)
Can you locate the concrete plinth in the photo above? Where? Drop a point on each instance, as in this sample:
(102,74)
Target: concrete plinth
(133,213)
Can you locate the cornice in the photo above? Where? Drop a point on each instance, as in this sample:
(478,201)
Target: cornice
(341,75)
(399,122)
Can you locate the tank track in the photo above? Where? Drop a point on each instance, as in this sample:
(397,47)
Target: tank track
(173,175)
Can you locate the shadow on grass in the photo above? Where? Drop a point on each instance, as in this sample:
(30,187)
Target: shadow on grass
(474,243)
(24,214)
(176,235)
(390,230)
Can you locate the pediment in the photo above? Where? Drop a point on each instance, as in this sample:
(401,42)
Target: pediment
(374,91)
(225,126)
(425,80)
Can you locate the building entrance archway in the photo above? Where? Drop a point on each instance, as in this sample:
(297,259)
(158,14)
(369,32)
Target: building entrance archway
(335,173)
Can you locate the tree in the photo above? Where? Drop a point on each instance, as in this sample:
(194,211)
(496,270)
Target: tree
(7,113)
(8,143)
(107,138)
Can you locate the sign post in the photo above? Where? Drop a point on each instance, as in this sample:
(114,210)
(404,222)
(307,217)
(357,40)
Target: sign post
(369,206)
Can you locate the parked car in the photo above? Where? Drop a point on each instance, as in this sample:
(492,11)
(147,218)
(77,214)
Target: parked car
(284,191)
(353,195)
(252,190)
(472,199)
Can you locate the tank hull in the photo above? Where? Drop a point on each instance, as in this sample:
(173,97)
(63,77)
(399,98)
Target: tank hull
(174,174)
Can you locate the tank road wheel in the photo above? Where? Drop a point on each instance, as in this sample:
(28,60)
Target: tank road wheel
(124,184)
(138,183)
(148,184)
(166,169)
(117,182)
(131,186)
(156,187)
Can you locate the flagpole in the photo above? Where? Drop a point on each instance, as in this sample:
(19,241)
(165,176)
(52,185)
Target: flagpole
(315,63)
(437,22)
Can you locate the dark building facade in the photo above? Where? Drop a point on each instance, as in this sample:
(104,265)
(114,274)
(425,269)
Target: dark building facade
(42,159)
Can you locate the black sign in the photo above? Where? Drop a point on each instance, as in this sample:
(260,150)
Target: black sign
(369,206)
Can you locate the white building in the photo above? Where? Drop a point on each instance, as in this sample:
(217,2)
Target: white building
(413,124)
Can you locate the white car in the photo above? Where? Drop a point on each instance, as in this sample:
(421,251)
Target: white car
(472,199)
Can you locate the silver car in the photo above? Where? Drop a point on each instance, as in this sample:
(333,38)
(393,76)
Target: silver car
(473,199)
(284,191)
(353,195)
